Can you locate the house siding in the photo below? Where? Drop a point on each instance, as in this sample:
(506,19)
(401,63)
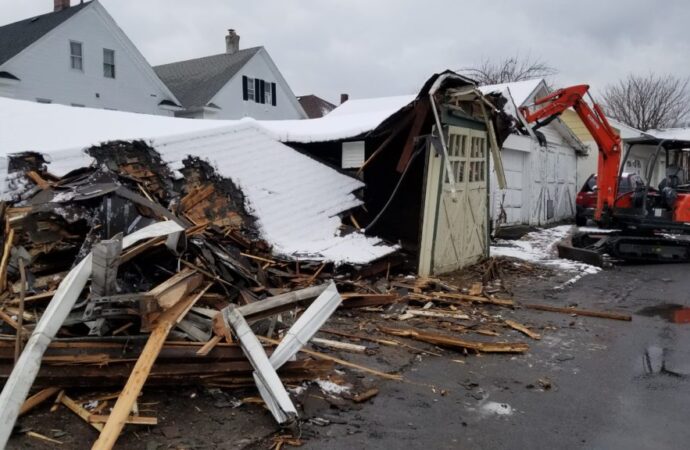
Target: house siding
(45,71)
(229,98)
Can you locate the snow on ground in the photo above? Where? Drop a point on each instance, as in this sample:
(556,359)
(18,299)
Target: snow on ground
(540,247)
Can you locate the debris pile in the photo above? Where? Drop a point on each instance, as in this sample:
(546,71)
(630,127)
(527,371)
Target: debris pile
(118,275)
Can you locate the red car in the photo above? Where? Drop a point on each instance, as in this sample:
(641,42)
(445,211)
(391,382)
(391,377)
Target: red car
(586,200)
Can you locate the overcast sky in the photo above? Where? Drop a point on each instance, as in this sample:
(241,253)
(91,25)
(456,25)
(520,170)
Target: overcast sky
(371,48)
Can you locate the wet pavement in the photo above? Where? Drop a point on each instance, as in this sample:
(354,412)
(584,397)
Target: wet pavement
(588,384)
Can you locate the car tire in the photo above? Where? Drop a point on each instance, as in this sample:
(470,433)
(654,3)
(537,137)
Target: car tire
(580,221)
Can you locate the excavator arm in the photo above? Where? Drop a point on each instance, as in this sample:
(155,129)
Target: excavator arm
(547,108)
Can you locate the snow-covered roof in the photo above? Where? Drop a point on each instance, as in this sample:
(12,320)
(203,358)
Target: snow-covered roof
(520,91)
(352,118)
(678,134)
(295,199)
(625,131)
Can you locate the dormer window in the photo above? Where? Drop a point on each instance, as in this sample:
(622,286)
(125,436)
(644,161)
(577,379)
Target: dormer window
(76,56)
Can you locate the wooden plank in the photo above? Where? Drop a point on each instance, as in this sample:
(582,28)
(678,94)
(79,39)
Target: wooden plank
(453,342)
(4,262)
(36,178)
(421,113)
(77,409)
(210,345)
(339,345)
(43,438)
(446,297)
(579,312)
(176,287)
(140,373)
(131,420)
(366,395)
(476,289)
(19,342)
(522,329)
(342,362)
(38,398)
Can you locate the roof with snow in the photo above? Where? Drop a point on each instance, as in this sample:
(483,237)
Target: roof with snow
(295,199)
(196,81)
(315,106)
(351,119)
(17,36)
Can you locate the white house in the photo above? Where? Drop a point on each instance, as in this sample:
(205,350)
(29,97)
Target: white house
(540,168)
(231,85)
(79,56)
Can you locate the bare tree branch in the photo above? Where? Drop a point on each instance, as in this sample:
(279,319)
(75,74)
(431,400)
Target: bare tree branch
(647,102)
(508,70)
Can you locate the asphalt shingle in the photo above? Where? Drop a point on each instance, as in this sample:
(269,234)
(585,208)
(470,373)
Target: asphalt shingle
(196,81)
(17,36)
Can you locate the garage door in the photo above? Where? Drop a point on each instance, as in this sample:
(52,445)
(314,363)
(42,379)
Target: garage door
(454,230)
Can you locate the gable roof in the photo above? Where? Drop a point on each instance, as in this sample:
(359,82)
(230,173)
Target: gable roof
(315,106)
(196,81)
(17,36)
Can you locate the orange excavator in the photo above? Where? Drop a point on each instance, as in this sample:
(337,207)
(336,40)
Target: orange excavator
(648,223)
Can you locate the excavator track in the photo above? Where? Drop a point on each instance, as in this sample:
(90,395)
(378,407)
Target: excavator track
(600,248)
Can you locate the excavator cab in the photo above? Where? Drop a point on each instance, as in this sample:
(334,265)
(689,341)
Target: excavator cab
(662,202)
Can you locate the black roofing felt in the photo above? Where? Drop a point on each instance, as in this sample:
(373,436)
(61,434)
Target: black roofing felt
(196,81)
(17,36)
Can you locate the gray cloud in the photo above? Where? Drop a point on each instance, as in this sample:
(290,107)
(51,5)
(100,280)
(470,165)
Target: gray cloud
(387,47)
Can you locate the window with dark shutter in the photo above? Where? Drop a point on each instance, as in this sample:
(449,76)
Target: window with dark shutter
(245,94)
(257,90)
(263,91)
(274,94)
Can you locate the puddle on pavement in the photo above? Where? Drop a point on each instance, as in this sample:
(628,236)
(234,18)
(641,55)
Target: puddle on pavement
(668,311)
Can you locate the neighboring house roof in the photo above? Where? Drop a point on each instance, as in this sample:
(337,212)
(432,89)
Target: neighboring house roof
(315,106)
(196,81)
(17,36)
(296,200)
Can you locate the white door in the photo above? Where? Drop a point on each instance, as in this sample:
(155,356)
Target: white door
(454,228)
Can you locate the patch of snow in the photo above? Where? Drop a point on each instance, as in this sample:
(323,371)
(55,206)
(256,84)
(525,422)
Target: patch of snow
(499,409)
(329,387)
(540,247)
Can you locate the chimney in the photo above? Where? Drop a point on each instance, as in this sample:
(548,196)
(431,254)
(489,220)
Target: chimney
(232,42)
(59,5)
(344,98)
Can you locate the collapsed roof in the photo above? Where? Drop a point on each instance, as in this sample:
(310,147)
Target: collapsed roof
(295,199)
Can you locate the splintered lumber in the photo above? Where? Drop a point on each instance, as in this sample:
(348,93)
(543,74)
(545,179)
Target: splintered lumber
(4,262)
(476,289)
(446,297)
(154,345)
(43,438)
(339,345)
(210,345)
(366,395)
(342,362)
(36,178)
(386,342)
(436,314)
(79,410)
(174,288)
(38,398)
(579,312)
(522,329)
(131,420)
(453,342)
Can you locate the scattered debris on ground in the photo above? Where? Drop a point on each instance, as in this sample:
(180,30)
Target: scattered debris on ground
(117,277)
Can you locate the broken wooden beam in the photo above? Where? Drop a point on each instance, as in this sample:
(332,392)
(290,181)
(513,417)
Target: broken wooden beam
(579,312)
(522,329)
(453,342)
